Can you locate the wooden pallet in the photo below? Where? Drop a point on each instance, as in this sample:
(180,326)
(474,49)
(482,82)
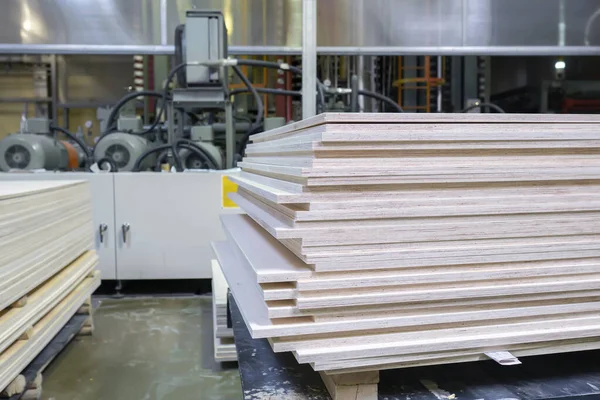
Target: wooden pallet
(15,358)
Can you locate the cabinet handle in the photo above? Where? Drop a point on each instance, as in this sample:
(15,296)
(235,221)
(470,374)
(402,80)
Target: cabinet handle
(101,229)
(125,229)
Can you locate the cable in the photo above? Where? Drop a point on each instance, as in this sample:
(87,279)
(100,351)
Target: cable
(285,67)
(381,97)
(88,155)
(280,92)
(165,96)
(482,105)
(124,100)
(110,162)
(159,159)
(259,103)
(244,142)
(138,162)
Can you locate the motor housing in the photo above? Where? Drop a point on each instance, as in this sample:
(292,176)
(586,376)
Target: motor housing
(124,149)
(33,151)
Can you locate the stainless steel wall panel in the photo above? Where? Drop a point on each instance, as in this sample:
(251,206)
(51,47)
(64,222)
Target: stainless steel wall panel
(275,26)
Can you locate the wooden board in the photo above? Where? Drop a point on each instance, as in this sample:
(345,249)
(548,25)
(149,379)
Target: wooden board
(260,326)
(386,118)
(43,227)
(14,359)
(16,321)
(380,240)
(223,344)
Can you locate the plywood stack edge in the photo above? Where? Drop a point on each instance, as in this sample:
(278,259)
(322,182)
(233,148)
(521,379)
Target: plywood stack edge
(378,241)
(224,345)
(47,268)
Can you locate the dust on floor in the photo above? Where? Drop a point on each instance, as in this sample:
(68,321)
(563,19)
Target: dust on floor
(144,349)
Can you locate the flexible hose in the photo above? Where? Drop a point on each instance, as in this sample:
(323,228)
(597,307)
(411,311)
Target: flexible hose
(80,143)
(280,92)
(181,143)
(138,162)
(381,97)
(124,100)
(241,150)
(482,105)
(110,162)
(165,96)
(159,159)
(253,90)
(291,68)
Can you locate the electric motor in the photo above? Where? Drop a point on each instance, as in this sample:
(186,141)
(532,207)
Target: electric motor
(192,160)
(124,149)
(32,151)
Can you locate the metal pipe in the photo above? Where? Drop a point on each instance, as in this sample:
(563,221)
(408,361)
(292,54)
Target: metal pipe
(229,135)
(309,58)
(54,87)
(360,72)
(323,50)
(354,94)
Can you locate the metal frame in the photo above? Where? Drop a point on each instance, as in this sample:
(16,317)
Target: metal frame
(323,50)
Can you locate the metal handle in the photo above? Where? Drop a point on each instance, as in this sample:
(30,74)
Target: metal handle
(125,228)
(101,229)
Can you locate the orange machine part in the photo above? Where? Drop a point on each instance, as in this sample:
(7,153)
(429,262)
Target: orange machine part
(73,154)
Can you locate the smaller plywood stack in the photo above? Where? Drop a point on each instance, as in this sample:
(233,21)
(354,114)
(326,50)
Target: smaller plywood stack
(224,346)
(47,268)
(378,241)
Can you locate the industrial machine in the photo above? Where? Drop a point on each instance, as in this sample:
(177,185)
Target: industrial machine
(202,136)
(123,149)
(35,148)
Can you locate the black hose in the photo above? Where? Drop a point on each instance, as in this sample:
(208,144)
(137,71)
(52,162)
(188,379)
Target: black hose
(241,149)
(165,96)
(109,161)
(183,143)
(280,92)
(259,103)
(381,97)
(291,68)
(482,105)
(138,162)
(124,100)
(80,143)
(159,159)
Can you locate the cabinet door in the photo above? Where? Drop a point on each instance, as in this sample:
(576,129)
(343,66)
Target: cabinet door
(166,222)
(103,210)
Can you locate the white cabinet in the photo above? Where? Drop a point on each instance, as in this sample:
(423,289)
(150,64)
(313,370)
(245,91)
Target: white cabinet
(103,211)
(166,222)
(158,225)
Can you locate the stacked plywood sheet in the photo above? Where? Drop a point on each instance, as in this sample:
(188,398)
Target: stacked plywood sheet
(47,270)
(380,241)
(224,346)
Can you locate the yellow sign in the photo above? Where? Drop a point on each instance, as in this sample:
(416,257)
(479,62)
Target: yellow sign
(227,186)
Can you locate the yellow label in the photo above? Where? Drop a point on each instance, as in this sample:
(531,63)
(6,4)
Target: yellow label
(227,187)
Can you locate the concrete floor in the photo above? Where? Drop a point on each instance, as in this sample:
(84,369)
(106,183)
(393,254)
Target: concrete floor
(144,349)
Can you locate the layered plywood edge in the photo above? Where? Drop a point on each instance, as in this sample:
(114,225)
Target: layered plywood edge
(15,321)
(46,265)
(16,357)
(43,227)
(224,345)
(390,241)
